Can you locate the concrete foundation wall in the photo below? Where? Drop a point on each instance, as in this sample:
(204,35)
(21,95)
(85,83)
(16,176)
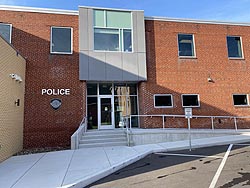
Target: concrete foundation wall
(11,115)
(152,136)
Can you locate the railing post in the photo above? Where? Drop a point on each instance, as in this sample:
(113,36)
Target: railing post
(163,122)
(189,134)
(212,119)
(130,121)
(235,124)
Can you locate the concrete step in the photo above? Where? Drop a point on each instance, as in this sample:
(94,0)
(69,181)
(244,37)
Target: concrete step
(103,136)
(103,140)
(103,144)
(105,132)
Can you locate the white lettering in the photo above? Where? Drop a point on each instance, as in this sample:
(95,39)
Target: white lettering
(67,91)
(43,91)
(49,92)
(56,92)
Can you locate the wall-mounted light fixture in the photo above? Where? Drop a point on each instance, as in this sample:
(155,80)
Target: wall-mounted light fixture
(209,79)
(17,102)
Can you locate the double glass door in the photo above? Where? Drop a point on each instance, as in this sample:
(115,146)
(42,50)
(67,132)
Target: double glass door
(106,115)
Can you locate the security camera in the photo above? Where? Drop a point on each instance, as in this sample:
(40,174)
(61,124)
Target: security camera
(13,76)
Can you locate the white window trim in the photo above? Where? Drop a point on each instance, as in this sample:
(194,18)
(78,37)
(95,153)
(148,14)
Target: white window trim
(243,104)
(10,30)
(66,53)
(241,44)
(191,106)
(187,57)
(121,48)
(164,106)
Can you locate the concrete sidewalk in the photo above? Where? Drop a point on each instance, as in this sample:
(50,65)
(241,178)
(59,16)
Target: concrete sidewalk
(78,168)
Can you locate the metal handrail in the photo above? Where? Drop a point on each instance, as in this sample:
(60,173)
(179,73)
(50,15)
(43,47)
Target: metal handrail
(193,116)
(79,132)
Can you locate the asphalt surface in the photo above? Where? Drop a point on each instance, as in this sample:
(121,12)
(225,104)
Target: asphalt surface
(187,169)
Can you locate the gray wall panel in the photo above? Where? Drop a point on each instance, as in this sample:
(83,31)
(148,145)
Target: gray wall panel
(130,66)
(97,66)
(141,32)
(90,29)
(135,33)
(142,66)
(114,66)
(84,66)
(83,27)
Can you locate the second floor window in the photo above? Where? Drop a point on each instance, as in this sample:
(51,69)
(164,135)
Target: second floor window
(5,31)
(234,47)
(186,45)
(112,31)
(61,40)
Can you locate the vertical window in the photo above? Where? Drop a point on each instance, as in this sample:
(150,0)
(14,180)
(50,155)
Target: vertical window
(234,47)
(163,101)
(186,45)
(5,31)
(190,100)
(61,40)
(112,31)
(240,100)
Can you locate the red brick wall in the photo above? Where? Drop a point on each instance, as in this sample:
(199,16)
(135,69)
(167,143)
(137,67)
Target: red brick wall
(44,126)
(172,75)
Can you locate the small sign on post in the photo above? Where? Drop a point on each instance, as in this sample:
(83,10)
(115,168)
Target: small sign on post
(188,113)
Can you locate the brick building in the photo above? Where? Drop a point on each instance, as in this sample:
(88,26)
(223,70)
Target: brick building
(106,63)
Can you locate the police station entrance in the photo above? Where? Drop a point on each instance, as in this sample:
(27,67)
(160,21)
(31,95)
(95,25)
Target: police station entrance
(109,103)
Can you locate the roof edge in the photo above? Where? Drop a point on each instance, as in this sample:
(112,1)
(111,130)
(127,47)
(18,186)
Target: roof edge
(115,9)
(166,19)
(38,10)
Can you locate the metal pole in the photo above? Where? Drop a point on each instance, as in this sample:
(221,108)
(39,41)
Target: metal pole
(189,134)
(163,123)
(130,121)
(212,119)
(235,124)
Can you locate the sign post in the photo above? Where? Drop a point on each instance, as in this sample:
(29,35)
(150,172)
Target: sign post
(188,115)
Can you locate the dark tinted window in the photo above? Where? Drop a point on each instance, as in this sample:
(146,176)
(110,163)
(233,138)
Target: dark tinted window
(105,89)
(186,45)
(234,47)
(163,100)
(61,40)
(91,89)
(190,100)
(5,31)
(240,99)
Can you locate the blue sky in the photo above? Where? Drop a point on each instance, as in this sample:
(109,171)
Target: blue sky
(223,10)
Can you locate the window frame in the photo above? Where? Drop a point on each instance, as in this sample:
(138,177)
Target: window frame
(247,97)
(62,53)
(121,37)
(241,44)
(193,38)
(198,97)
(10,31)
(172,101)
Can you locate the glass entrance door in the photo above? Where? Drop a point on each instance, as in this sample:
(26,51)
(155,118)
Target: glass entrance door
(106,115)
